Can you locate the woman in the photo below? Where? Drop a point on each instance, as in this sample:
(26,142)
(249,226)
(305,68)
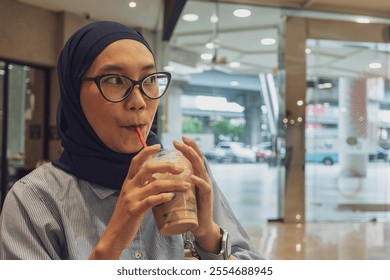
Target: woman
(93,202)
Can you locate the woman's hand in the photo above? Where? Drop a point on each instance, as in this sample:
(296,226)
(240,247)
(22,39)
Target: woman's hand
(137,196)
(207,233)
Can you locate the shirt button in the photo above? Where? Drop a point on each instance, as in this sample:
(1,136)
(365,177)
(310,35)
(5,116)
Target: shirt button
(138,255)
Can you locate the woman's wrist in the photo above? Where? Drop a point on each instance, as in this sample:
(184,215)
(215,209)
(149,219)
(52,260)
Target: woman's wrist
(107,248)
(104,252)
(210,242)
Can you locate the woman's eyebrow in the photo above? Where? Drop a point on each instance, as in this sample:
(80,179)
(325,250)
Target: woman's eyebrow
(111,67)
(149,67)
(115,67)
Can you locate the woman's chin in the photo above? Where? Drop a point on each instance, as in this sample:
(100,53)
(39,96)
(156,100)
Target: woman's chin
(127,150)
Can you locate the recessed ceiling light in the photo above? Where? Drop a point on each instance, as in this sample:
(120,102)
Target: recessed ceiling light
(210,46)
(169,68)
(324,86)
(214,19)
(375,65)
(190,17)
(362,20)
(235,64)
(308,51)
(242,13)
(206,56)
(234,83)
(132,4)
(268,41)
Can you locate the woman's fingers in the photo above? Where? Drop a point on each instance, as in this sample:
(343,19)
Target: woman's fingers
(151,169)
(154,200)
(193,144)
(140,158)
(165,186)
(190,153)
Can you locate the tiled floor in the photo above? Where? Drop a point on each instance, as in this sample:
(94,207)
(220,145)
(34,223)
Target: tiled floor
(322,241)
(334,228)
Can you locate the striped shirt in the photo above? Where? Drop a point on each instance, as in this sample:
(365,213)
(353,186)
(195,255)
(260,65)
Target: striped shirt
(50,214)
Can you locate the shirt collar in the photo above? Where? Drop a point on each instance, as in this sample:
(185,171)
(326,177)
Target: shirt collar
(100,191)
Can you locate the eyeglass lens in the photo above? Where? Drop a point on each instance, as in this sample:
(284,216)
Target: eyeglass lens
(116,87)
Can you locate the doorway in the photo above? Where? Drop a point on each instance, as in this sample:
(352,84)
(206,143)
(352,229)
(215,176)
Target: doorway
(23,123)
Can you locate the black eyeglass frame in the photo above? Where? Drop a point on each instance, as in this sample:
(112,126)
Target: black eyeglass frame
(98,78)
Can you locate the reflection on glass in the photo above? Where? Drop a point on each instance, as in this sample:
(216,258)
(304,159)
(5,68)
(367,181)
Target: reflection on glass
(224,92)
(24,121)
(347,170)
(2,160)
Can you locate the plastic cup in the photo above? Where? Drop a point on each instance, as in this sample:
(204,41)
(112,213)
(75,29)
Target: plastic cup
(180,214)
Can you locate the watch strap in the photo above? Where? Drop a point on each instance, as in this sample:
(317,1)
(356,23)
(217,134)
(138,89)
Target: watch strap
(210,256)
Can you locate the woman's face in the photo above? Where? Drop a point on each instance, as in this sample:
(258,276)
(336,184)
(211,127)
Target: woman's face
(115,123)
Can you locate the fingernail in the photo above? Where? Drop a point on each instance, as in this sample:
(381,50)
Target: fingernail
(177,142)
(179,168)
(150,180)
(173,195)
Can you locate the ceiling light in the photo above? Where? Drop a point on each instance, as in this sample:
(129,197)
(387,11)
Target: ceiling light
(300,102)
(268,41)
(362,20)
(308,51)
(324,85)
(375,65)
(132,4)
(214,19)
(210,46)
(242,13)
(169,68)
(190,17)
(235,64)
(206,56)
(234,83)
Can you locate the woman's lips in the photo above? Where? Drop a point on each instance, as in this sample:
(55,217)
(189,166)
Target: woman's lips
(134,126)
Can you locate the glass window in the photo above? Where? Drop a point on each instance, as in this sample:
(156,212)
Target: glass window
(2,160)
(225,94)
(347,125)
(23,138)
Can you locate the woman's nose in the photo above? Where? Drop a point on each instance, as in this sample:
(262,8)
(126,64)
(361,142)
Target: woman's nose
(135,101)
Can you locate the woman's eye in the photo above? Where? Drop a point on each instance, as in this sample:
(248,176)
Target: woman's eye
(114,80)
(150,80)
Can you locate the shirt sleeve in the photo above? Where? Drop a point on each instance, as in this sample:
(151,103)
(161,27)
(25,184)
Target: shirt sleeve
(242,247)
(28,227)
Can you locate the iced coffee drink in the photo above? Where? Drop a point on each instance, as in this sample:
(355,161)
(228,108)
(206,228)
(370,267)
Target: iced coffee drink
(180,214)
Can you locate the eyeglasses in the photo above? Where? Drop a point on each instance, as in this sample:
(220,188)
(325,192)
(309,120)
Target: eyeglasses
(116,87)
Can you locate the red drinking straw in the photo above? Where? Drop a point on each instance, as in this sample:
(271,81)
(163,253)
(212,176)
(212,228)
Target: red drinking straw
(141,138)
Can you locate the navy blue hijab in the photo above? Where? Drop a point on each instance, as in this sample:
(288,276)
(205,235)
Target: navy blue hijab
(84,154)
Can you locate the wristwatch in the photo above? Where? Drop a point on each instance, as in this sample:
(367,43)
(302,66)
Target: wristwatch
(226,247)
(224,254)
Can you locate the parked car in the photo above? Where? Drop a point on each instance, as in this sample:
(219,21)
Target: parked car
(263,153)
(325,158)
(216,154)
(381,154)
(236,152)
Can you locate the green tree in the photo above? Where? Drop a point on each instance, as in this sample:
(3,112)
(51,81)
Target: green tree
(192,125)
(223,129)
